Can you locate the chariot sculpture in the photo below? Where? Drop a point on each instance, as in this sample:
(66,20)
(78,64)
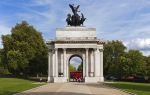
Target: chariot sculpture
(75,19)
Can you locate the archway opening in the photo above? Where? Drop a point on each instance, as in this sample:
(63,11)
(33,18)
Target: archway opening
(75,68)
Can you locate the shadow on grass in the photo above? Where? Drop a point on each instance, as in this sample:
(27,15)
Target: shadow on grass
(131,86)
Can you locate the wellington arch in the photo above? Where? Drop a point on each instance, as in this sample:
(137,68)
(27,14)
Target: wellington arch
(75,39)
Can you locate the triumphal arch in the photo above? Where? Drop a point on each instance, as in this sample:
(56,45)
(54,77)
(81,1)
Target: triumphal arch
(75,40)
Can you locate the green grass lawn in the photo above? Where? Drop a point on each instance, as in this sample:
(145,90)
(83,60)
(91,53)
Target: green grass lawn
(9,86)
(137,88)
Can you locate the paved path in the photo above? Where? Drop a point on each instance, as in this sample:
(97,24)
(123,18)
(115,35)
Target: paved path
(73,89)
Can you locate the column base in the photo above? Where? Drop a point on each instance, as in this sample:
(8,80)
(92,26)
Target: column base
(101,79)
(94,79)
(60,79)
(50,79)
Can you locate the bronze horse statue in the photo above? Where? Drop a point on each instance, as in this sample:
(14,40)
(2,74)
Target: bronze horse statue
(75,19)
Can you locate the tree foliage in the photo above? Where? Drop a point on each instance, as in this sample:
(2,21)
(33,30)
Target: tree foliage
(113,50)
(72,68)
(137,63)
(119,62)
(80,67)
(24,50)
(147,66)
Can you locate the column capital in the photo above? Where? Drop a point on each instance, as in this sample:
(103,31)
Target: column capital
(95,49)
(64,49)
(98,49)
(55,49)
(101,50)
(49,50)
(49,53)
(86,49)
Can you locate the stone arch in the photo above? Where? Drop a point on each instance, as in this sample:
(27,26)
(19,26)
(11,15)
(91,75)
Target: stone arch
(73,55)
(80,73)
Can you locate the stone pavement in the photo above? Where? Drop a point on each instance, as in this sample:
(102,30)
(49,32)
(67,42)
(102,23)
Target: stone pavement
(73,89)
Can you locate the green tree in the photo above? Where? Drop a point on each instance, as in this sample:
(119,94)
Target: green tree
(1,58)
(17,62)
(132,63)
(136,65)
(3,69)
(80,67)
(147,66)
(113,50)
(25,50)
(72,68)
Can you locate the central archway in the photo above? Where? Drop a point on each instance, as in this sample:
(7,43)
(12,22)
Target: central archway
(75,68)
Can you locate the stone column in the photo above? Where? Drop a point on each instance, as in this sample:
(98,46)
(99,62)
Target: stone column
(65,64)
(49,66)
(95,58)
(92,63)
(67,69)
(97,62)
(62,64)
(87,63)
(101,65)
(83,56)
(56,62)
(53,62)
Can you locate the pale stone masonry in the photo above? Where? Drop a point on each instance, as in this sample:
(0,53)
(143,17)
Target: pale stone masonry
(80,41)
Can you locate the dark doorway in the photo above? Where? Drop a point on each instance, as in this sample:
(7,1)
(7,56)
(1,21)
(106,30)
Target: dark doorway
(75,68)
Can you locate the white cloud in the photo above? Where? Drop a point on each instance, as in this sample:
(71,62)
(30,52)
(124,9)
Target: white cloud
(142,44)
(113,19)
(42,2)
(3,31)
(117,20)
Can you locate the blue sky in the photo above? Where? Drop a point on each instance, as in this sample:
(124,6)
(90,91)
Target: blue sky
(125,20)
(76,61)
